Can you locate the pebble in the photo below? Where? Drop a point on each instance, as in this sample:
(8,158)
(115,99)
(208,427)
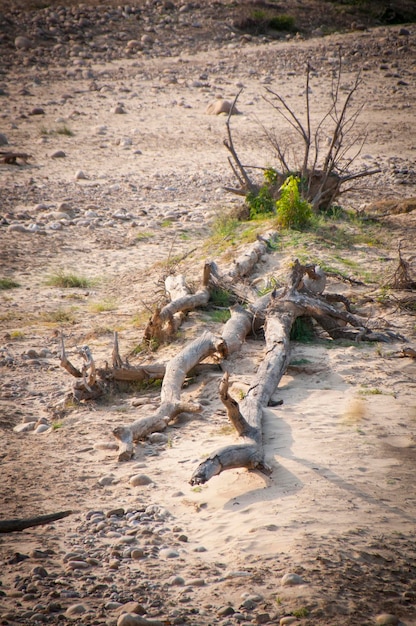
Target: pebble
(387,619)
(220,106)
(168,553)
(58,154)
(3,140)
(74,610)
(77,565)
(137,554)
(105,481)
(140,480)
(42,428)
(289,619)
(80,175)
(24,428)
(237,574)
(292,579)
(23,43)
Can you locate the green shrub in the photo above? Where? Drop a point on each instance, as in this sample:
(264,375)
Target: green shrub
(292,210)
(282,22)
(8,283)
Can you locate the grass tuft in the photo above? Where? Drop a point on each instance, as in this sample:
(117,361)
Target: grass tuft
(67,280)
(8,283)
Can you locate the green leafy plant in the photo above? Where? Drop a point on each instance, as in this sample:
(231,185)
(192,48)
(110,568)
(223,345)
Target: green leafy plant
(302,330)
(8,283)
(292,210)
(220,297)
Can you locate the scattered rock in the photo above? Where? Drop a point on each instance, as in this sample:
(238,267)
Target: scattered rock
(3,140)
(75,610)
(23,43)
(387,619)
(221,106)
(140,480)
(292,579)
(58,154)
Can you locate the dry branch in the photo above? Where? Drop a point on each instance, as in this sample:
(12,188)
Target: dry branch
(17,525)
(171,406)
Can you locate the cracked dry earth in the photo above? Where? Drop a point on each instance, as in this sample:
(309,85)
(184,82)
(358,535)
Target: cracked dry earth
(328,539)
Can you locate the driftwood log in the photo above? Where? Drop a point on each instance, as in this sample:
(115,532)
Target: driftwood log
(272,315)
(294,301)
(17,525)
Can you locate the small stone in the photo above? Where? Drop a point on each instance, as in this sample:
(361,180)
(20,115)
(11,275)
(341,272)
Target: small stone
(119,109)
(23,43)
(225,611)
(168,553)
(39,571)
(37,111)
(158,438)
(183,538)
(137,554)
(289,619)
(18,228)
(77,565)
(42,428)
(147,40)
(404,32)
(195,582)
(114,564)
(80,175)
(116,512)
(221,106)
(292,579)
(130,619)
(106,480)
(3,140)
(237,574)
(58,154)
(176,580)
(75,609)
(262,618)
(131,607)
(249,605)
(38,554)
(140,480)
(387,619)
(24,428)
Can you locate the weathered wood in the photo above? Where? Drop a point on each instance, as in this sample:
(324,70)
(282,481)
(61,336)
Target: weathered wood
(10,158)
(284,307)
(17,525)
(170,397)
(165,321)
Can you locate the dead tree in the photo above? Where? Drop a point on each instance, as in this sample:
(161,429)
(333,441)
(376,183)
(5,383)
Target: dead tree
(273,314)
(294,301)
(329,149)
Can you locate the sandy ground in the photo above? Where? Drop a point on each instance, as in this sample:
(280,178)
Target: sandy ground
(339,509)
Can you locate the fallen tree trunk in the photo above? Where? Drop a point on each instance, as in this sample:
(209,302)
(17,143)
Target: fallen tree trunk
(294,301)
(17,525)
